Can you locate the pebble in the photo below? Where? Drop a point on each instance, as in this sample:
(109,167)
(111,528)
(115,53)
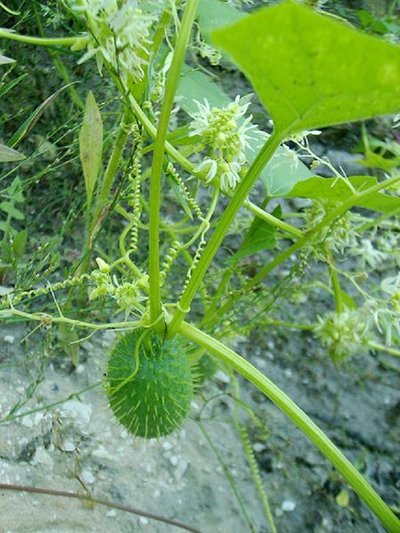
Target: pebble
(87,477)
(181,468)
(167,446)
(222,377)
(173,460)
(42,457)
(112,513)
(143,521)
(81,412)
(9,339)
(288,506)
(68,446)
(258,447)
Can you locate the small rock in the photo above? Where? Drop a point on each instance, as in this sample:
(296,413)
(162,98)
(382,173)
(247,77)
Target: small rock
(180,469)
(258,447)
(42,457)
(167,446)
(68,446)
(288,506)
(222,377)
(173,460)
(112,513)
(87,477)
(143,521)
(9,339)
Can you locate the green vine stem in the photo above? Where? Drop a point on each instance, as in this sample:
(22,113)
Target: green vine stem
(224,223)
(42,41)
(158,157)
(383,348)
(301,420)
(326,221)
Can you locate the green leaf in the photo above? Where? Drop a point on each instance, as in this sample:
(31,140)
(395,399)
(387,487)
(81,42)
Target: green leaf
(11,210)
(33,118)
(261,236)
(8,86)
(282,172)
(373,160)
(213,14)
(343,498)
(8,155)
(91,145)
(196,86)
(19,243)
(338,190)
(312,71)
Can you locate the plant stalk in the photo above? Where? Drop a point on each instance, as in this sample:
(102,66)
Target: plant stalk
(158,158)
(301,420)
(224,223)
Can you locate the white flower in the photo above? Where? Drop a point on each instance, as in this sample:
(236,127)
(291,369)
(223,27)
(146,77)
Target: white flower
(226,134)
(121,34)
(343,334)
(369,255)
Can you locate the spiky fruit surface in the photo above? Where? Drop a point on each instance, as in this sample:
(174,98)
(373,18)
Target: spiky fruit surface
(153,399)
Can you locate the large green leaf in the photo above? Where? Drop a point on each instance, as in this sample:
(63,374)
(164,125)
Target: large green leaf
(310,70)
(91,145)
(338,190)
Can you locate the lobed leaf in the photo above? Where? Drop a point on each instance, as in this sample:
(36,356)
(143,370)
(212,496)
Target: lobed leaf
(310,70)
(338,190)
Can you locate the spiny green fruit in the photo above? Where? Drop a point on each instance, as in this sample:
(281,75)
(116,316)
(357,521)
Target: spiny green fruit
(149,383)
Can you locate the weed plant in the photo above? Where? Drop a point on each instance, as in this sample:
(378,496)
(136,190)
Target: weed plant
(169,163)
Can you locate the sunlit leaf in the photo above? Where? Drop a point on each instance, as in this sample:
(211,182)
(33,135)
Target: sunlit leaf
(8,155)
(11,210)
(91,145)
(338,190)
(310,70)
(261,236)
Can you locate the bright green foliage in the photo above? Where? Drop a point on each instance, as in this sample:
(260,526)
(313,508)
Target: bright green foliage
(214,13)
(261,236)
(149,384)
(311,71)
(339,190)
(91,145)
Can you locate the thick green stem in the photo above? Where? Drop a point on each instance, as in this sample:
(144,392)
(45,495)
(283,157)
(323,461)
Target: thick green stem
(222,228)
(41,41)
(301,420)
(158,157)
